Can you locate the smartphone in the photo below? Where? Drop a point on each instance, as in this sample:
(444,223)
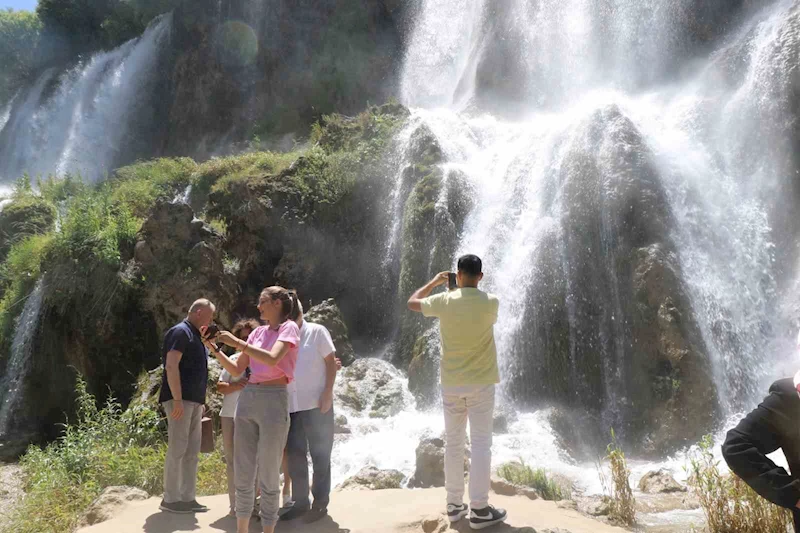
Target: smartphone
(451,281)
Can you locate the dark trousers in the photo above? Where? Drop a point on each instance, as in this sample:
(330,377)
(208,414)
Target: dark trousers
(796,514)
(311,431)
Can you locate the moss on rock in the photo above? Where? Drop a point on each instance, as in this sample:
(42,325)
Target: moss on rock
(23,216)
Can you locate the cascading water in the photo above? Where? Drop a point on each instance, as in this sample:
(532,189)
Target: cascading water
(702,134)
(76,122)
(625,144)
(11,384)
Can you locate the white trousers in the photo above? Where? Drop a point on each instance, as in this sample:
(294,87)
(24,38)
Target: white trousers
(476,404)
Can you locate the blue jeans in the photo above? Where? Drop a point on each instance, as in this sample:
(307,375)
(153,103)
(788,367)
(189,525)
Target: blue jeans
(311,431)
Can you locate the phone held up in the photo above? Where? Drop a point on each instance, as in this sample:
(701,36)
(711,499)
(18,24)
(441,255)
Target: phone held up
(452,284)
(211,332)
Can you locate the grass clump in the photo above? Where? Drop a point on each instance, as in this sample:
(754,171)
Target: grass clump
(728,503)
(207,175)
(104,446)
(137,187)
(519,473)
(622,505)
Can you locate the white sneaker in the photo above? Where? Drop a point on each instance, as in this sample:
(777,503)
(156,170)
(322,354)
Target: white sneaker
(287,500)
(456,512)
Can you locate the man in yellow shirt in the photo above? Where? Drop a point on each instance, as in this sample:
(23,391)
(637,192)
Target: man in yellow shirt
(469,374)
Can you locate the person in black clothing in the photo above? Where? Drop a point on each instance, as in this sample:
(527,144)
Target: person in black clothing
(183,395)
(774,424)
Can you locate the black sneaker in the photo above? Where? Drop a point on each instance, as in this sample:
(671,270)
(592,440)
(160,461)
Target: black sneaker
(314,515)
(456,512)
(175,507)
(294,512)
(486,517)
(196,507)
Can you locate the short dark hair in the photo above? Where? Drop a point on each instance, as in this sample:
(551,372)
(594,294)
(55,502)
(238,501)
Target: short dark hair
(471,265)
(240,326)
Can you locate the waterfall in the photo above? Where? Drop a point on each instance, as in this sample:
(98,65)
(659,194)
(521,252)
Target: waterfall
(564,116)
(12,382)
(77,121)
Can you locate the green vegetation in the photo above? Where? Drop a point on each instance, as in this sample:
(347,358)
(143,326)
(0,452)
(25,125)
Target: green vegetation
(138,187)
(19,38)
(103,447)
(98,226)
(79,238)
(519,473)
(729,504)
(622,505)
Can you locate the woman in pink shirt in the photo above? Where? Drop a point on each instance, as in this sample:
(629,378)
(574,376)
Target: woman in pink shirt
(262,413)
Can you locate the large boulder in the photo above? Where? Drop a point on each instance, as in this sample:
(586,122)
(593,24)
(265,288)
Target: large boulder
(327,313)
(658,482)
(372,478)
(178,259)
(109,503)
(429,470)
(372,387)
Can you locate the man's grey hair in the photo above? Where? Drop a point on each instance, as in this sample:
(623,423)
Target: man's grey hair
(202,303)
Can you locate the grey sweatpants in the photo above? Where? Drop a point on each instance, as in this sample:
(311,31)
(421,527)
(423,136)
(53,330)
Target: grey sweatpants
(262,424)
(228,431)
(183,447)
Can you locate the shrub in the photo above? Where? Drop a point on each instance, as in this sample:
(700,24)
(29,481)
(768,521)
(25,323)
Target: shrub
(729,504)
(521,474)
(622,505)
(103,447)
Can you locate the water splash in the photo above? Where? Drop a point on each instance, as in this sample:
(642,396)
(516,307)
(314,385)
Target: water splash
(77,121)
(19,362)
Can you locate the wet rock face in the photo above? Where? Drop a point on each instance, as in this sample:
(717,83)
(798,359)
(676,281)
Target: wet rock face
(609,327)
(291,61)
(179,258)
(423,371)
(327,313)
(372,387)
(372,478)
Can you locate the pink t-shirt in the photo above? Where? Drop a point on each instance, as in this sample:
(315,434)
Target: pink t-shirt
(265,338)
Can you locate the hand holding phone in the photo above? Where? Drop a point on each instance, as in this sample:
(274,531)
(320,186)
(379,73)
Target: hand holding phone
(452,282)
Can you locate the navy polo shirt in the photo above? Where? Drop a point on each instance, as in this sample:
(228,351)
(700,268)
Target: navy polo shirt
(193,367)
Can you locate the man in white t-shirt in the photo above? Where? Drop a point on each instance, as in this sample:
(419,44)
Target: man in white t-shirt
(311,429)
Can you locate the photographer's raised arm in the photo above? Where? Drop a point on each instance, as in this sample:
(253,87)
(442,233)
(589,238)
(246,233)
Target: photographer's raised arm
(415,302)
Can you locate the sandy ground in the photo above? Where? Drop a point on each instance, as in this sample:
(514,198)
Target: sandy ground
(382,511)
(10,488)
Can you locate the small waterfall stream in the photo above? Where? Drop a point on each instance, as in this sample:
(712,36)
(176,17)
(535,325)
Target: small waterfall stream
(13,379)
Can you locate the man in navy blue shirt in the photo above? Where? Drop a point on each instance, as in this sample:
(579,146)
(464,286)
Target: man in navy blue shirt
(183,395)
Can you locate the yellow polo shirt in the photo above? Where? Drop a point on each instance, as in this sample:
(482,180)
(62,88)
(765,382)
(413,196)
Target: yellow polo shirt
(466,322)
